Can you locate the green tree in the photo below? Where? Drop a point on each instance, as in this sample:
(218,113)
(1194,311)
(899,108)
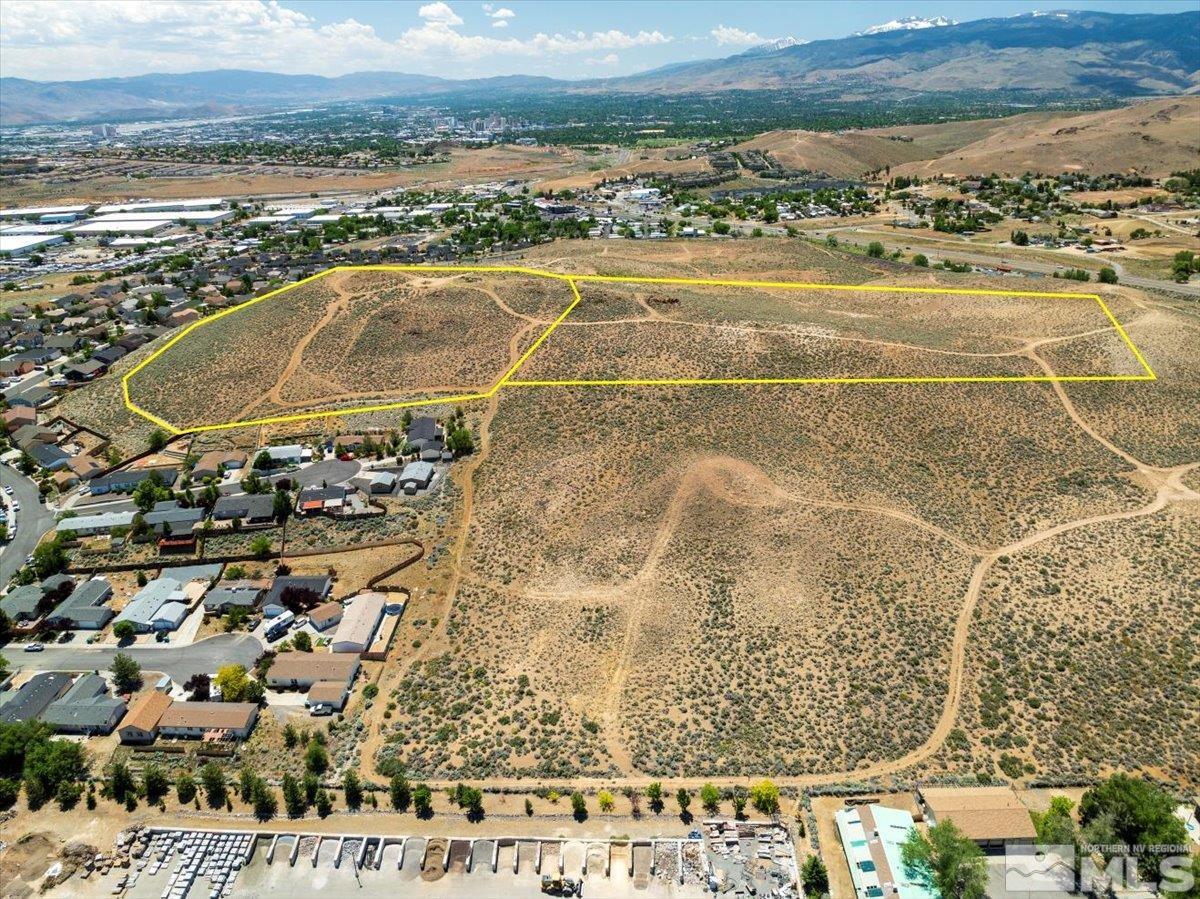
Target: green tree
(311,784)
(1139,814)
(684,798)
(1108,275)
(263,799)
(302,642)
(126,673)
(946,861)
(764,796)
(260,546)
(814,877)
(316,758)
(875,250)
(710,798)
(400,792)
(654,793)
(212,779)
(281,505)
(150,491)
(245,784)
(68,794)
(293,797)
(422,798)
(739,802)
(124,631)
(1055,826)
(606,801)
(185,787)
(1020,239)
(579,806)
(120,782)
(324,804)
(158,440)
(920,260)
(155,783)
(352,789)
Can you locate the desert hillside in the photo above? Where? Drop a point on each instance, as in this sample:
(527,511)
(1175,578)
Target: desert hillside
(1156,137)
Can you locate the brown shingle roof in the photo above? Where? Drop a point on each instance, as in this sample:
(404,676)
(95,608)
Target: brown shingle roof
(145,713)
(981,813)
(320,666)
(327,691)
(215,715)
(324,613)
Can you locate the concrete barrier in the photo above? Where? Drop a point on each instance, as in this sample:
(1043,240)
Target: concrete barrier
(337,857)
(295,853)
(271,849)
(537,862)
(317,850)
(495,855)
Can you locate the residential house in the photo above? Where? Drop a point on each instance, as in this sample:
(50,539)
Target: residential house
(233,595)
(91,525)
(49,456)
(85,609)
(323,500)
(126,481)
(249,508)
(872,836)
(18,417)
(140,724)
(359,622)
(301,670)
(416,476)
(86,708)
(317,585)
(215,463)
(33,697)
(148,609)
(991,816)
(326,615)
(168,517)
(208,720)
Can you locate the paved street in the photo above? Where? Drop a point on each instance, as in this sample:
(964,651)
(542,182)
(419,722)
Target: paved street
(180,662)
(33,520)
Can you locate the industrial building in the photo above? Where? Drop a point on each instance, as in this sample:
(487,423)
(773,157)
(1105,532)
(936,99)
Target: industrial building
(20,244)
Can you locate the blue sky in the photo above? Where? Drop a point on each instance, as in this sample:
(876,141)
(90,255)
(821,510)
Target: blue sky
(72,39)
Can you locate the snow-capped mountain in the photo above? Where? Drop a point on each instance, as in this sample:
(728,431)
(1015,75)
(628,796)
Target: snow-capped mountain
(774,46)
(910,23)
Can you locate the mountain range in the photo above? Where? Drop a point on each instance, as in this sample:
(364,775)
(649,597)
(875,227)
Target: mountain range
(1079,54)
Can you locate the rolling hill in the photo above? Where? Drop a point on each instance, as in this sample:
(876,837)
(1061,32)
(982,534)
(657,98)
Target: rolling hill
(1079,54)
(1161,135)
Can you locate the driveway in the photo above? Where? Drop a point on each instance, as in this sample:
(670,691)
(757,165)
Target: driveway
(33,521)
(180,662)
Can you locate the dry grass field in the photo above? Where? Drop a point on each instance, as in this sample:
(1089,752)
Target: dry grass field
(1160,134)
(824,582)
(805,581)
(350,337)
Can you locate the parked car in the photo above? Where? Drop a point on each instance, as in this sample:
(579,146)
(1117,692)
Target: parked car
(34,647)
(8,490)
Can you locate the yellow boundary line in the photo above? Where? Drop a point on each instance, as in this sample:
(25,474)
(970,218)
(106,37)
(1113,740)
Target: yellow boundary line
(507,380)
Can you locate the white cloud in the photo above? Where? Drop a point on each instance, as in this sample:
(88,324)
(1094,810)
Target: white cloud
(439,13)
(58,39)
(500,23)
(610,59)
(727,35)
